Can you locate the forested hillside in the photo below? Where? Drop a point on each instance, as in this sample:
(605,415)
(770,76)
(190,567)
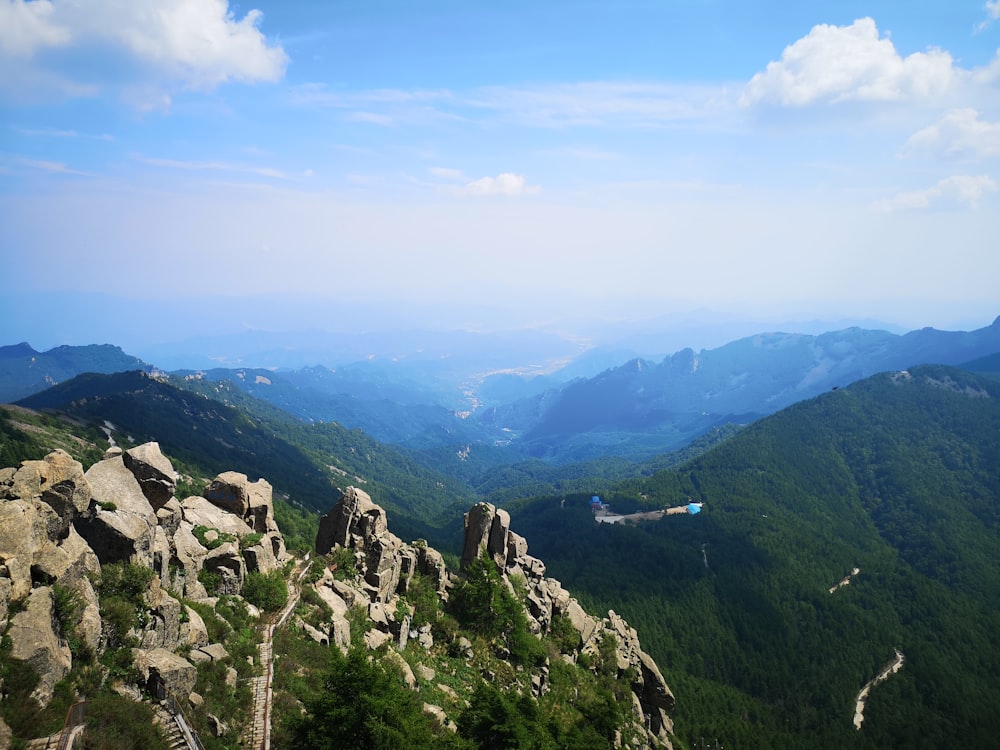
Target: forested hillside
(304,462)
(897,476)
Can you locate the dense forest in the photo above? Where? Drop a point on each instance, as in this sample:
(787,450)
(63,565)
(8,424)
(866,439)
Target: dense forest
(895,475)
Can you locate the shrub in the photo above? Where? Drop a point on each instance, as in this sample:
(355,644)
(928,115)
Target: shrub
(266,590)
(210,580)
(200,531)
(114,722)
(341,562)
(250,540)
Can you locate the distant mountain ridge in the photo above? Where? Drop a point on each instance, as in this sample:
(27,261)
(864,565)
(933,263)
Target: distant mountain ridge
(638,409)
(690,392)
(24,371)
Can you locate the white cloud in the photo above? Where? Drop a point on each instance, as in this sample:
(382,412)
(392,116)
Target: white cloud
(963,189)
(992,9)
(446,173)
(199,41)
(842,63)
(200,166)
(26,27)
(56,133)
(198,44)
(959,132)
(588,104)
(506,183)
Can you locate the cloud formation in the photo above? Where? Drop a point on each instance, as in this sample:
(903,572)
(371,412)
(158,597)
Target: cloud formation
(26,27)
(842,63)
(506,183)
(992,9)
(961,189)
(198,44)
(959,132)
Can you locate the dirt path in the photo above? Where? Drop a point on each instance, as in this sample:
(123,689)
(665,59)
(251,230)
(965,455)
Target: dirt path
(889,669)
(846,580)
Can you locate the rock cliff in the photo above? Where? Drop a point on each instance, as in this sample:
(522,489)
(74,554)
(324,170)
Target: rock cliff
(386,567)
(61,526)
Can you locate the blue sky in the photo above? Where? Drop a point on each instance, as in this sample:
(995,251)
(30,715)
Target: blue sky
(496,163)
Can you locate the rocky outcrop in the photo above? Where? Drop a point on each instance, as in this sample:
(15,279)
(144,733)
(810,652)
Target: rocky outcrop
(35,640)
(120,522)
(386,564)
(252,503)
(57,480)
(487,533)
(174,671)
(59,526)
(153,471)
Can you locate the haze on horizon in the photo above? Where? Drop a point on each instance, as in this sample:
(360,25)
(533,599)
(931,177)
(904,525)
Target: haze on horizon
(213,168)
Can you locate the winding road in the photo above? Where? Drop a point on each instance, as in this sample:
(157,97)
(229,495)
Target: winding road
(889,669)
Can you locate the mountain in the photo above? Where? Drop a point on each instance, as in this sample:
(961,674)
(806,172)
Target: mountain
(391,411)
(305,462)
(890,485)
(135,615)
(642,407)
(24,371)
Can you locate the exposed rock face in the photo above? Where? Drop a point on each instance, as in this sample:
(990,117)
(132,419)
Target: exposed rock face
(354,520)
(252,503)
(227,562)
(119,526)
(34,640)
(59,525)
(176,672)
(229,491)
(58,481)
(358,523)
(197,511)
(153,471)
(385,564)
(487,533)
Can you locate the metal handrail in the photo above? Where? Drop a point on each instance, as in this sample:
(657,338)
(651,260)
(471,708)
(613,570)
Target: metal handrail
(75,716)
(160,691)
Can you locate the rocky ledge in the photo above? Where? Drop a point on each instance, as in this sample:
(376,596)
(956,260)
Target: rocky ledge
(59,525)
(386,566)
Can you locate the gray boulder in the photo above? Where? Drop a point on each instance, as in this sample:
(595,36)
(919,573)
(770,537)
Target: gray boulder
(120,524)
(478,524)
(153,471)
(177,673)
(230,491)
(60,484)
(34,640)
(227,562)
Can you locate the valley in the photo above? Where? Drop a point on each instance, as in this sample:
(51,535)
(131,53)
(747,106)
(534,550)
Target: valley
(744,603)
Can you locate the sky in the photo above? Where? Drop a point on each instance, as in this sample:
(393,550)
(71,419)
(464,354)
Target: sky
(176,167)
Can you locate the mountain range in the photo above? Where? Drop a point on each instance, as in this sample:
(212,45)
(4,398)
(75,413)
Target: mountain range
(637,409)
(848,524)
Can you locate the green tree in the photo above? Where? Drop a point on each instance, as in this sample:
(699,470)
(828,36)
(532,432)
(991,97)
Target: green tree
(364,706)
(266,590)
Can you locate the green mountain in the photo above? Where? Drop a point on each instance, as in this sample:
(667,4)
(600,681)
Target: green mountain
(304,462)
(24,371)
(897,476)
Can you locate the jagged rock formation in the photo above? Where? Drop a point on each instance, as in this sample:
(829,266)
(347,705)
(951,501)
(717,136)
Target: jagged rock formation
(487,531)
(386,565)
(59,526)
